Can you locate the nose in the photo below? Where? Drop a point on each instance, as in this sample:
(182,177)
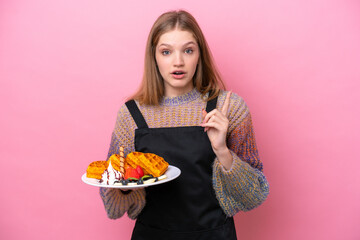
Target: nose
(179,60)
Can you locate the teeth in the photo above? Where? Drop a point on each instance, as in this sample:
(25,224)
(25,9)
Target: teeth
(178,73)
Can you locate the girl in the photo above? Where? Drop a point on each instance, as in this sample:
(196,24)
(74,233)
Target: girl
(181,113)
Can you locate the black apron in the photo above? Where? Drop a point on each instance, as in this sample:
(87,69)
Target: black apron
(185,208)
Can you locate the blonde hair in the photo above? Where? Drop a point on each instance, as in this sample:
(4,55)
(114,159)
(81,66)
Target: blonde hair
(206,78)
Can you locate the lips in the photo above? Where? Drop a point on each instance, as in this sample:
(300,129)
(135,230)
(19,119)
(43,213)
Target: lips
(178,74)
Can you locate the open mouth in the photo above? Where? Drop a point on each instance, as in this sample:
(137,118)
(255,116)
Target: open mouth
(178,73)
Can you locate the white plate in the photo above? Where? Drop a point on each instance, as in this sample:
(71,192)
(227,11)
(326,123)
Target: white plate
(172,172)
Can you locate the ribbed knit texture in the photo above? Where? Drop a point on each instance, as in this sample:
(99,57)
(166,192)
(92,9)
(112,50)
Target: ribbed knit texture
(117,203)
(241,188)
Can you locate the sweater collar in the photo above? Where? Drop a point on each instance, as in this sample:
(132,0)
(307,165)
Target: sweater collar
(182,99)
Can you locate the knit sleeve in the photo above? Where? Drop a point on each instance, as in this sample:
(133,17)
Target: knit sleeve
(243,187)
(123,133)
(116,202)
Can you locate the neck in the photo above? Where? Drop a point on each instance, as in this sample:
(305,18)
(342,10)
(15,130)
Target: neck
(177,92)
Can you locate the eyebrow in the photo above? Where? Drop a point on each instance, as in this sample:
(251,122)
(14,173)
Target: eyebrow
(168,45)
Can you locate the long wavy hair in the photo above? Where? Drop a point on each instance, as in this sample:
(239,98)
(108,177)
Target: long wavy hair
(206,78)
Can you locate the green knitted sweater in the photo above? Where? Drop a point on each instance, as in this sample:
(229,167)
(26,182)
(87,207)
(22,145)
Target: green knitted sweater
(241,188)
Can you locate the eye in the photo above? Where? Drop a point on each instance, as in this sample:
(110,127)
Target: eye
(189,51)
(165,52)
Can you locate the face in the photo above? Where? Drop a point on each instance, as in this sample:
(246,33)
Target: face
(177,56)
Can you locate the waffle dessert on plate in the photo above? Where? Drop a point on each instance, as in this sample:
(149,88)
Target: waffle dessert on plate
(110,175)
(115,161)
(137,169)
(149,162)
(96,169)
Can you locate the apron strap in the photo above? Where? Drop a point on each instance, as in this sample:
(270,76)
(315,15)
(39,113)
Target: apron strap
(211,105)
(140,120)
(136,114)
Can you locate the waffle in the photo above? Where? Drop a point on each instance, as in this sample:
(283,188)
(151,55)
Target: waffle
(115,161)
(118,162)
(149,162)
(96,169)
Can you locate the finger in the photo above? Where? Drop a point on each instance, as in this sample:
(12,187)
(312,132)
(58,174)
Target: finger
(220,123)
(214,125)
(214,112)
(226,105)
(218,119)
(207,116)
(203,112)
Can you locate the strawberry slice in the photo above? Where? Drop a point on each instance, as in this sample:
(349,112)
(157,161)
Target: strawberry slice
(127,173)
(131,173)
(134,173)
(140,171)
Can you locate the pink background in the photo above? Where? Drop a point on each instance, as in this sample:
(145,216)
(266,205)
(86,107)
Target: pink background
(67,66)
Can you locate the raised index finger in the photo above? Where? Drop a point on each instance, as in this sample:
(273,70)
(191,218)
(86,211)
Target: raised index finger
(226,105)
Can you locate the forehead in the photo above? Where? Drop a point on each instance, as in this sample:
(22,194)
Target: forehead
(176,37)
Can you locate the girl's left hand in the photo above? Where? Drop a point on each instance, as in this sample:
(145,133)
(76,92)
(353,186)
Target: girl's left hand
(216,125)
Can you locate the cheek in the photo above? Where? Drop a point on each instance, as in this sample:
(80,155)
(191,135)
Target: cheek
(161,67)
(161,63)
(195,63)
